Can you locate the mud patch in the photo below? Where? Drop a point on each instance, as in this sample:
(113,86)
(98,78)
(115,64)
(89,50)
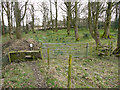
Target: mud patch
(39,78)
(21,44)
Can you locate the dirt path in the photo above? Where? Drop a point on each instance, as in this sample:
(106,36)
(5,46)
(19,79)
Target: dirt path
(39,78)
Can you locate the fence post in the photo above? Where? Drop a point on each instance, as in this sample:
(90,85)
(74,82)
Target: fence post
(9,57)
(91,50)
(41,44)
(87,45)
(110,47)
(111,44)
(41,53)
(69,71)
(48,52)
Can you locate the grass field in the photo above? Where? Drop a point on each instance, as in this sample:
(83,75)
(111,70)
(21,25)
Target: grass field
(87,72)
(18,75)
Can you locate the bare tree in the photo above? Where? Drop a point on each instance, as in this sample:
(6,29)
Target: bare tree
(64,21)
(70,10)
(6,7)
(116,12)
(118,44)
(44,10)
(116,15)
(19,18)
(76,22)
(27,28)
(51,14)
(68,6)
(93,15)
(23,25)
(108,20)
(32,14)
(56,21)
(11,16)
(3,27)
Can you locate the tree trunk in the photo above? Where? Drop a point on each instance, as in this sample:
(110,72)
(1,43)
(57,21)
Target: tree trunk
(119,72)
(68,18)
(90,20)
(116,16)
(11,17)
(48,24)
(51,15)
(26,29)
(56,17)
(108,21)
(23,26)
(8,17)
(94,18)
(64,21)
(76,23)
(118,43)
(33,19)
(97,36)
(18,21)
(44,22)
(3,27)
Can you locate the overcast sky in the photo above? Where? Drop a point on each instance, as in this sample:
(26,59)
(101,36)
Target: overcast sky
(38,14)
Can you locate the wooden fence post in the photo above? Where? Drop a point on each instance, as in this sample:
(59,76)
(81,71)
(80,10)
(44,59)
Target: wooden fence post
(69,71)
(87,45)
(48,52)
(41,53)
(111,44)
(41,44)
(9,57)
(91,50)
(111,47)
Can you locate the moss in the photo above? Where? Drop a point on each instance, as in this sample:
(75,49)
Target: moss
(107,37)
(110,36)
(20,55)
(77,39)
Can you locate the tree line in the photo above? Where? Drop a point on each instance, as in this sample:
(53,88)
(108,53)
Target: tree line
(73,10)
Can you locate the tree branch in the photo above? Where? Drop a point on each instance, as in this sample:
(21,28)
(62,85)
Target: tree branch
(63,9)
(4,7)
(25,10)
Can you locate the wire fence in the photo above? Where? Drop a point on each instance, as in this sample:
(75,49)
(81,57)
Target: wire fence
(59,65)
(77,50)
(61,49)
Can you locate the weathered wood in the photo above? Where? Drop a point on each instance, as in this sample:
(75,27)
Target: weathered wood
(69,71)
(41,53)
(48,52)
(91,50)
(24,51)
(9,57)
(87,45)
(17,56)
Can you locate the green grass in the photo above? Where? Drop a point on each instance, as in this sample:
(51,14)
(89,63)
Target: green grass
(86,72)
(59,37)
(91,72)
(18,76)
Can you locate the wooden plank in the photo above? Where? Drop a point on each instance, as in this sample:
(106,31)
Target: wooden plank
(23,51)
(16,56)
